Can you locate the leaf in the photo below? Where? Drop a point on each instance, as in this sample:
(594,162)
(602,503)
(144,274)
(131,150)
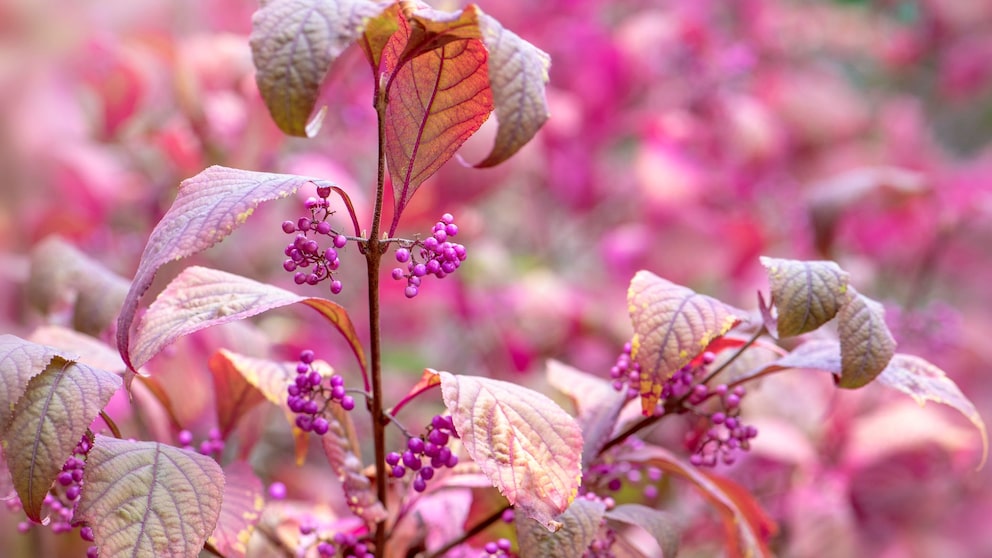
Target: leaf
(526,445)
(924,382)
(806,295)
(207,209)
(90,350)
(580,524)
(672,324)
(293,44)
(239,511)
(747,527)
(53,414)
(61,274)
(518,76)
(663,526)
(435,101)
(20,361)
(341,455)
(149,499)
(597,403)
(200,297)
(233,394)
(866,344)
(269,377)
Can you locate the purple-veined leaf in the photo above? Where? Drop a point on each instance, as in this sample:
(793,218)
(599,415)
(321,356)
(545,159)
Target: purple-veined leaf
(747,527)
(435,101)
(20,361)
(149,499)
(518,76)
(661,525)
(672,324)
(524,442)
(866,344)
(924,382)
(200,297)
(62,275)
(234,395)
(596,403)
(208,207)
(240,511)
(806,295)
(48,421)
(84,348)
(579,526)
(294,43)
(340,447)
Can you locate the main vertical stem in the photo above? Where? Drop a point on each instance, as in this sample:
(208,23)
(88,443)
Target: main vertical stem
(373,257)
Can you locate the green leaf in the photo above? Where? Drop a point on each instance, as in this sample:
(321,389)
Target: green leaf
(240,510)
(580,524)
(672,325)
(207,209)
(149,499)
(663,526)
(924,382)
(596,402)
(806,295)
(53,414)
(294,43)
(866,344)
(526,445)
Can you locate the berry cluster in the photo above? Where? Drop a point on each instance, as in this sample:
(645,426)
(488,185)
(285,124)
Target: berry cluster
(212,446)
(499,548)
(433,446)
(309,396)
(727,434)
(306,260)
(626,372)
(439,256)
(348,545)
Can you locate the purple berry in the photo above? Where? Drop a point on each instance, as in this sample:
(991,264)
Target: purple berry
(323,191)
(392,458)
(347,402)
(410,291)
(399,471)
(447,219)
(427,473)
(72,492)
(451,229)
(419,484)
(289,265)
(65,478)
(416,445)
(323,227)
(277,491)
(320,426)
(340,241)
(402,255)
(491,548)
(86,533)
(336,287)
(397,273)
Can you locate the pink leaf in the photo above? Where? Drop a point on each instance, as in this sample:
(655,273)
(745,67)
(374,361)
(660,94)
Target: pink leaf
(672,324)
(207,209)
(56,409)
(90,350)
(149,499)
(341,451)
(270,378)
(240,510)
(924,382)
(524,442)
(20,361)
(806,294)
(234,395)
(580,524)
(596,402)
(661,525)
(294,43)
(866,344)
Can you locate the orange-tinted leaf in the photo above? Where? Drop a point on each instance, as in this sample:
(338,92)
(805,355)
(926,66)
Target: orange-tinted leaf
(338,316)
(924,382)
(672,324)
(428,380)
(526,445)
(661,525)
(293,43)
(240,510)
(149,499)
(56,409)
(358,490)
(233,394)
(579,526)
(269,377)
(866,344)
(377,32)
(806,295)
(596,403)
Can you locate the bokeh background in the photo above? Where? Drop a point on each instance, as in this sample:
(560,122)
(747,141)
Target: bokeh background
(688,137)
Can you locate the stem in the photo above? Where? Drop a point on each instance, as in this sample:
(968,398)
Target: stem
(373,255)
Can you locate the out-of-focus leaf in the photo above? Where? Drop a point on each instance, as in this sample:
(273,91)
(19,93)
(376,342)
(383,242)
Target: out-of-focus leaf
(88,349)
(435,101)
(358,490)
(518,76)
(294,43)
(240,510)
(661,525)
(428,380)
(20,361)
(269,377)
(579,525)
(232,392)
(747,527)
(338,316)
(48,421)
(524,442)
(61,274)
(866,344)
(596,402)
(924,382)
(806,295)
(207,209)
(149,499)
(672,324)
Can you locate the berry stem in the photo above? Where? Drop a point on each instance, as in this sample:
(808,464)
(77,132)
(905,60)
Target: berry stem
(111,424)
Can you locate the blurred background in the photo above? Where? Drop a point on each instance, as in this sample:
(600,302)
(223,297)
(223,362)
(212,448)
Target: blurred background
(687,137)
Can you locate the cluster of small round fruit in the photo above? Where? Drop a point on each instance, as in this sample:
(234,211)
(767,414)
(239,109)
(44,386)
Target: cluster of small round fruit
(437,256)
(433,447)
